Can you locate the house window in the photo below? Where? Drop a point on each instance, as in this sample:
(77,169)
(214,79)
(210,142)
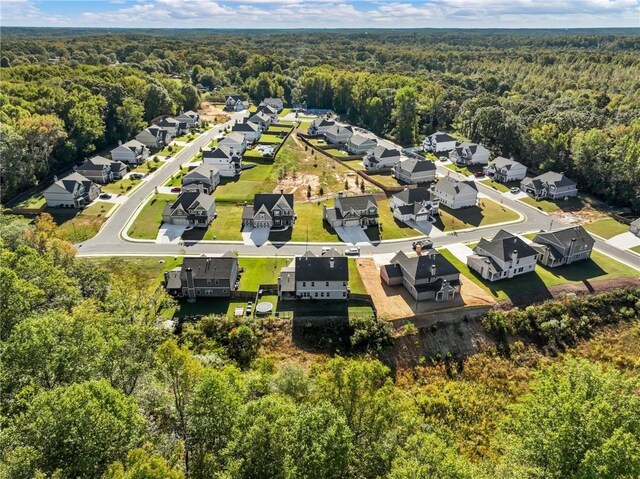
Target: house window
(520,270)
(322,294)
(217,281)
(304,284)
(316,295)
(344,294)
(313,283)
(327,284)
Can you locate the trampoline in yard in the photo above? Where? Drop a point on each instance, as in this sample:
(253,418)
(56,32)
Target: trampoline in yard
(264,308)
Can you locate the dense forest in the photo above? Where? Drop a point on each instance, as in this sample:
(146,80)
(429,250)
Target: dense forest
(568,101)
(93,387)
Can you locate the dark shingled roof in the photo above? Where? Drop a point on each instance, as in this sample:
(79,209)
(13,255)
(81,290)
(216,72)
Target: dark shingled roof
(413,195)
(269,200)
(420,267)
(319,268)
(360,202)
(191,199)
(503,244)
(440,136)
(413,165)
(567,235)
(453,187)
(204,269)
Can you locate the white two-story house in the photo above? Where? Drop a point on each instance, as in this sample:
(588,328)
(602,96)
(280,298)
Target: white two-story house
(73,191)
(338,134)
(413,171)
(414,204)
(382,157)
(132,152)
(192,208)
(467,153)
(549,185)
(503,256)
(270,210)
(228,162)
(250,130)
(102,170)
(348,211)
(563,246)
(505,170)
(439,142)
(315,277)
(235,141)
(455,194)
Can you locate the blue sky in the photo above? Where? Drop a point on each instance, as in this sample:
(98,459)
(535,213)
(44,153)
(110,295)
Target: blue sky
(322,13)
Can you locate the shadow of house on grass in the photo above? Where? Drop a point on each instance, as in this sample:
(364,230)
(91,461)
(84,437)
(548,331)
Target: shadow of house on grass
(521,290)
(471,216)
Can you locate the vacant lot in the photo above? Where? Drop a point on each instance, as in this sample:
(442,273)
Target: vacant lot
(80,225)
(259,271)
(487,212)
(607,228)
(599,267)
(310,225)
(149,219)
(551,206)
(225,227)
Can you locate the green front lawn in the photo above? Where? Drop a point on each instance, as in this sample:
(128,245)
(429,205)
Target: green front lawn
(267,139)
(186,138)
(310,225)
(225,227)
(238,190)
(81,225)
(176,178)
(35,201)
(170,150)
(636,249)
(607,228)
(599,267)
(279,129)
(355,281)
(391,227)
(496,185)
(487,213)
(149,219)
(260,271)
(120,187)
(464,170)
(148,166)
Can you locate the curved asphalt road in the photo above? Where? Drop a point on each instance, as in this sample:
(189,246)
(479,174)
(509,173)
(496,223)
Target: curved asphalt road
(109,242)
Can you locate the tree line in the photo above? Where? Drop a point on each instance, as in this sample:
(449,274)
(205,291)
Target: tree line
(546,98)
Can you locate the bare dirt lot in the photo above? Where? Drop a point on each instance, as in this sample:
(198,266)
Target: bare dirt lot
(209,112)
(394,302)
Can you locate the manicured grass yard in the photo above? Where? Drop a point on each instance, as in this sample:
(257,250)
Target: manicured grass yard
(226,226)
(170,150)
(259,271)
(120,187)
(176,179)
(279,129)
(386,179)
(489,212)
(81,225)
(148,167)
(549,206)
(257,173)
(391,228)
(355,164)
(248,154)
(267,139)
(336,152)
(607,228)
(149,219)
(501,187)
(464,170)
(636,249)
(310,220)
(355,281)
(186,138)
(35,202)
(599,267)
(244,188)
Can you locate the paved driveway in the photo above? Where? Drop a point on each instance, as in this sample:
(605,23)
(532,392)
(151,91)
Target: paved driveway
(352,234)
(170,233)
(255,236)
(624,241)
(460,251)
(426,228)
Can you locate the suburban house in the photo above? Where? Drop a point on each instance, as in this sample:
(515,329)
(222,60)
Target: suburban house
(414,204)
(276,103)
(190,117)
(269,210)
(172,126)
(73,191)
(207,176)
(505,170)
(549,185)
(438,142)
(154,137)
(235,141)
(132,152)
(429,276)
(634,227)
(236,103)
(203,277)
(469,154)
(269,111)
(563,246)
(102,170)
(250,130)
(455,194)
(382,157)
(504,256)
(359,210)
(261,119)
(192,208)
(319,126)
(227,161)
(359,144)
(338,134)
(315,277)
(414,171)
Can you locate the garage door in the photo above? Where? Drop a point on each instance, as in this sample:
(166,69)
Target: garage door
(352,223)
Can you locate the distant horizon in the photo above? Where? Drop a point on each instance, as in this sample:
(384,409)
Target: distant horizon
(322,14)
